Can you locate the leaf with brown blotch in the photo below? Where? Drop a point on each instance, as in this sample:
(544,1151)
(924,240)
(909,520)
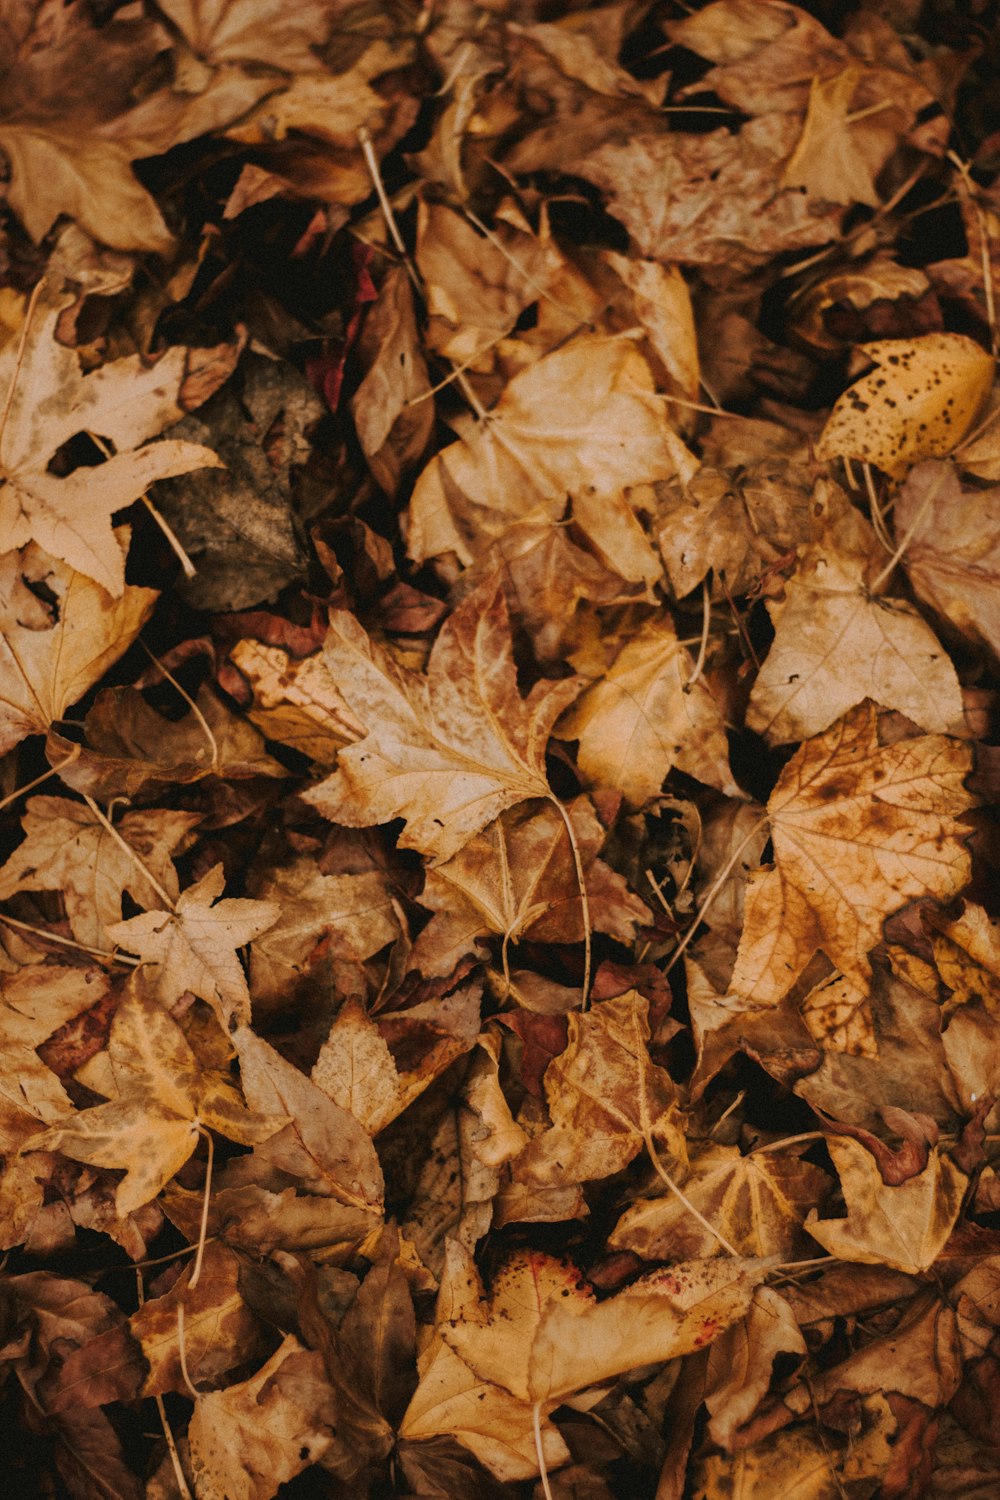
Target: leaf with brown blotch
(606,1099)
(34,1003)
(125,403)
(165,1103)
(952,556)
(52,653)
(194,946)
(69,849)
(583,422)
(839,640)
(904,1226)
(220,1331)
(918,402)
(741,1362)
(757,1201)
(252,1437)
(516,879)
(642,718)
(541,1333)
(449,750)
(858,830)
(348,916)
(323,1146)
(296,701)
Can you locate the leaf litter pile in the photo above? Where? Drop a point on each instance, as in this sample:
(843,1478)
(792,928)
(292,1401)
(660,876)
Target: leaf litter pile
(500,594)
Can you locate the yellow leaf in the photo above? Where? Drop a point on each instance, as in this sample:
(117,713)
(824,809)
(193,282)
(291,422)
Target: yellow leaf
(918,402)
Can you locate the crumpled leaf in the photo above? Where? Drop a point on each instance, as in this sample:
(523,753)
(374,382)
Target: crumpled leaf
(69,849)
(194,946)
(125,403)
(52,654)
(642,718)
(165,1100)
(918,402)
(583,422)
(448,750)
(516,879)
(905,1226)
(857,831)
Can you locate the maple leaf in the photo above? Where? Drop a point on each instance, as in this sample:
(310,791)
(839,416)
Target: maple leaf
(258,1434)
(918,402)
(194,945)
(838,640)
(904,1226)
(70,849)
(125,403)
(166,1101)
(53,653)
(857,831)
(757,1201)
(446,751)
(641,718)
(606,1098)
(583,421)
(517,878)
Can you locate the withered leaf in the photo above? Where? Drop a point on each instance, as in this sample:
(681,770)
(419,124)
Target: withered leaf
(448,750)
(857,831)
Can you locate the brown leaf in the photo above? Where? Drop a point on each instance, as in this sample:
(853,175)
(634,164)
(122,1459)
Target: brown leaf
(34,1003)
(69,849)
(905,1226)
(447,751)
(857,831)
(194,946)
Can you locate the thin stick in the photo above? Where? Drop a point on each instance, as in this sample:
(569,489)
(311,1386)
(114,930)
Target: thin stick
(388,213)
(910,532)
(175,1458)
(22,344)
(54,937)
(584,900)
(789,1140)
(713,891)
(182,1356)
(986,268)
(203,1226)
(206,728)
(878,519)
(695,1213)
(53,771)
(536,1422)
(706,621)
(132,853)
(175,542)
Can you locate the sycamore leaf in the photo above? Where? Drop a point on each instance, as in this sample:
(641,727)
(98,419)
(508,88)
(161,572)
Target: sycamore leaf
(904,1226)
(195,945)
(541,1333)
(757,1201)
(51,654)
(220,1331)
(254,1437)
(640,719)
(837,642)
(517,879)
(606,1098)
(165,1101)
(447,751)
(69,849)
(918,402)
(858,830)
(584,421)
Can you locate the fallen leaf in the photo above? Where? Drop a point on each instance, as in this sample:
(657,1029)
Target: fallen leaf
(447,751)
(34,1003)
(124,403)
(194,946)
(857,831)
(53,654)
(918,402)
(69,849)
(904,1227)
(166,1102)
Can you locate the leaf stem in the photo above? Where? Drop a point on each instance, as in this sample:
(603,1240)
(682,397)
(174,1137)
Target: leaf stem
(536,1422)
(584,900)
(712,892)
(666,1178)
(133,854)
(52,771)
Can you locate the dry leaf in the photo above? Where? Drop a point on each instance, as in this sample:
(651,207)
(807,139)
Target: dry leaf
(53,653)
(642,718)
(905,1226)
(194,946)
(447,751)
(918,402)
(857,831)
(165,1102)
(123,403)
